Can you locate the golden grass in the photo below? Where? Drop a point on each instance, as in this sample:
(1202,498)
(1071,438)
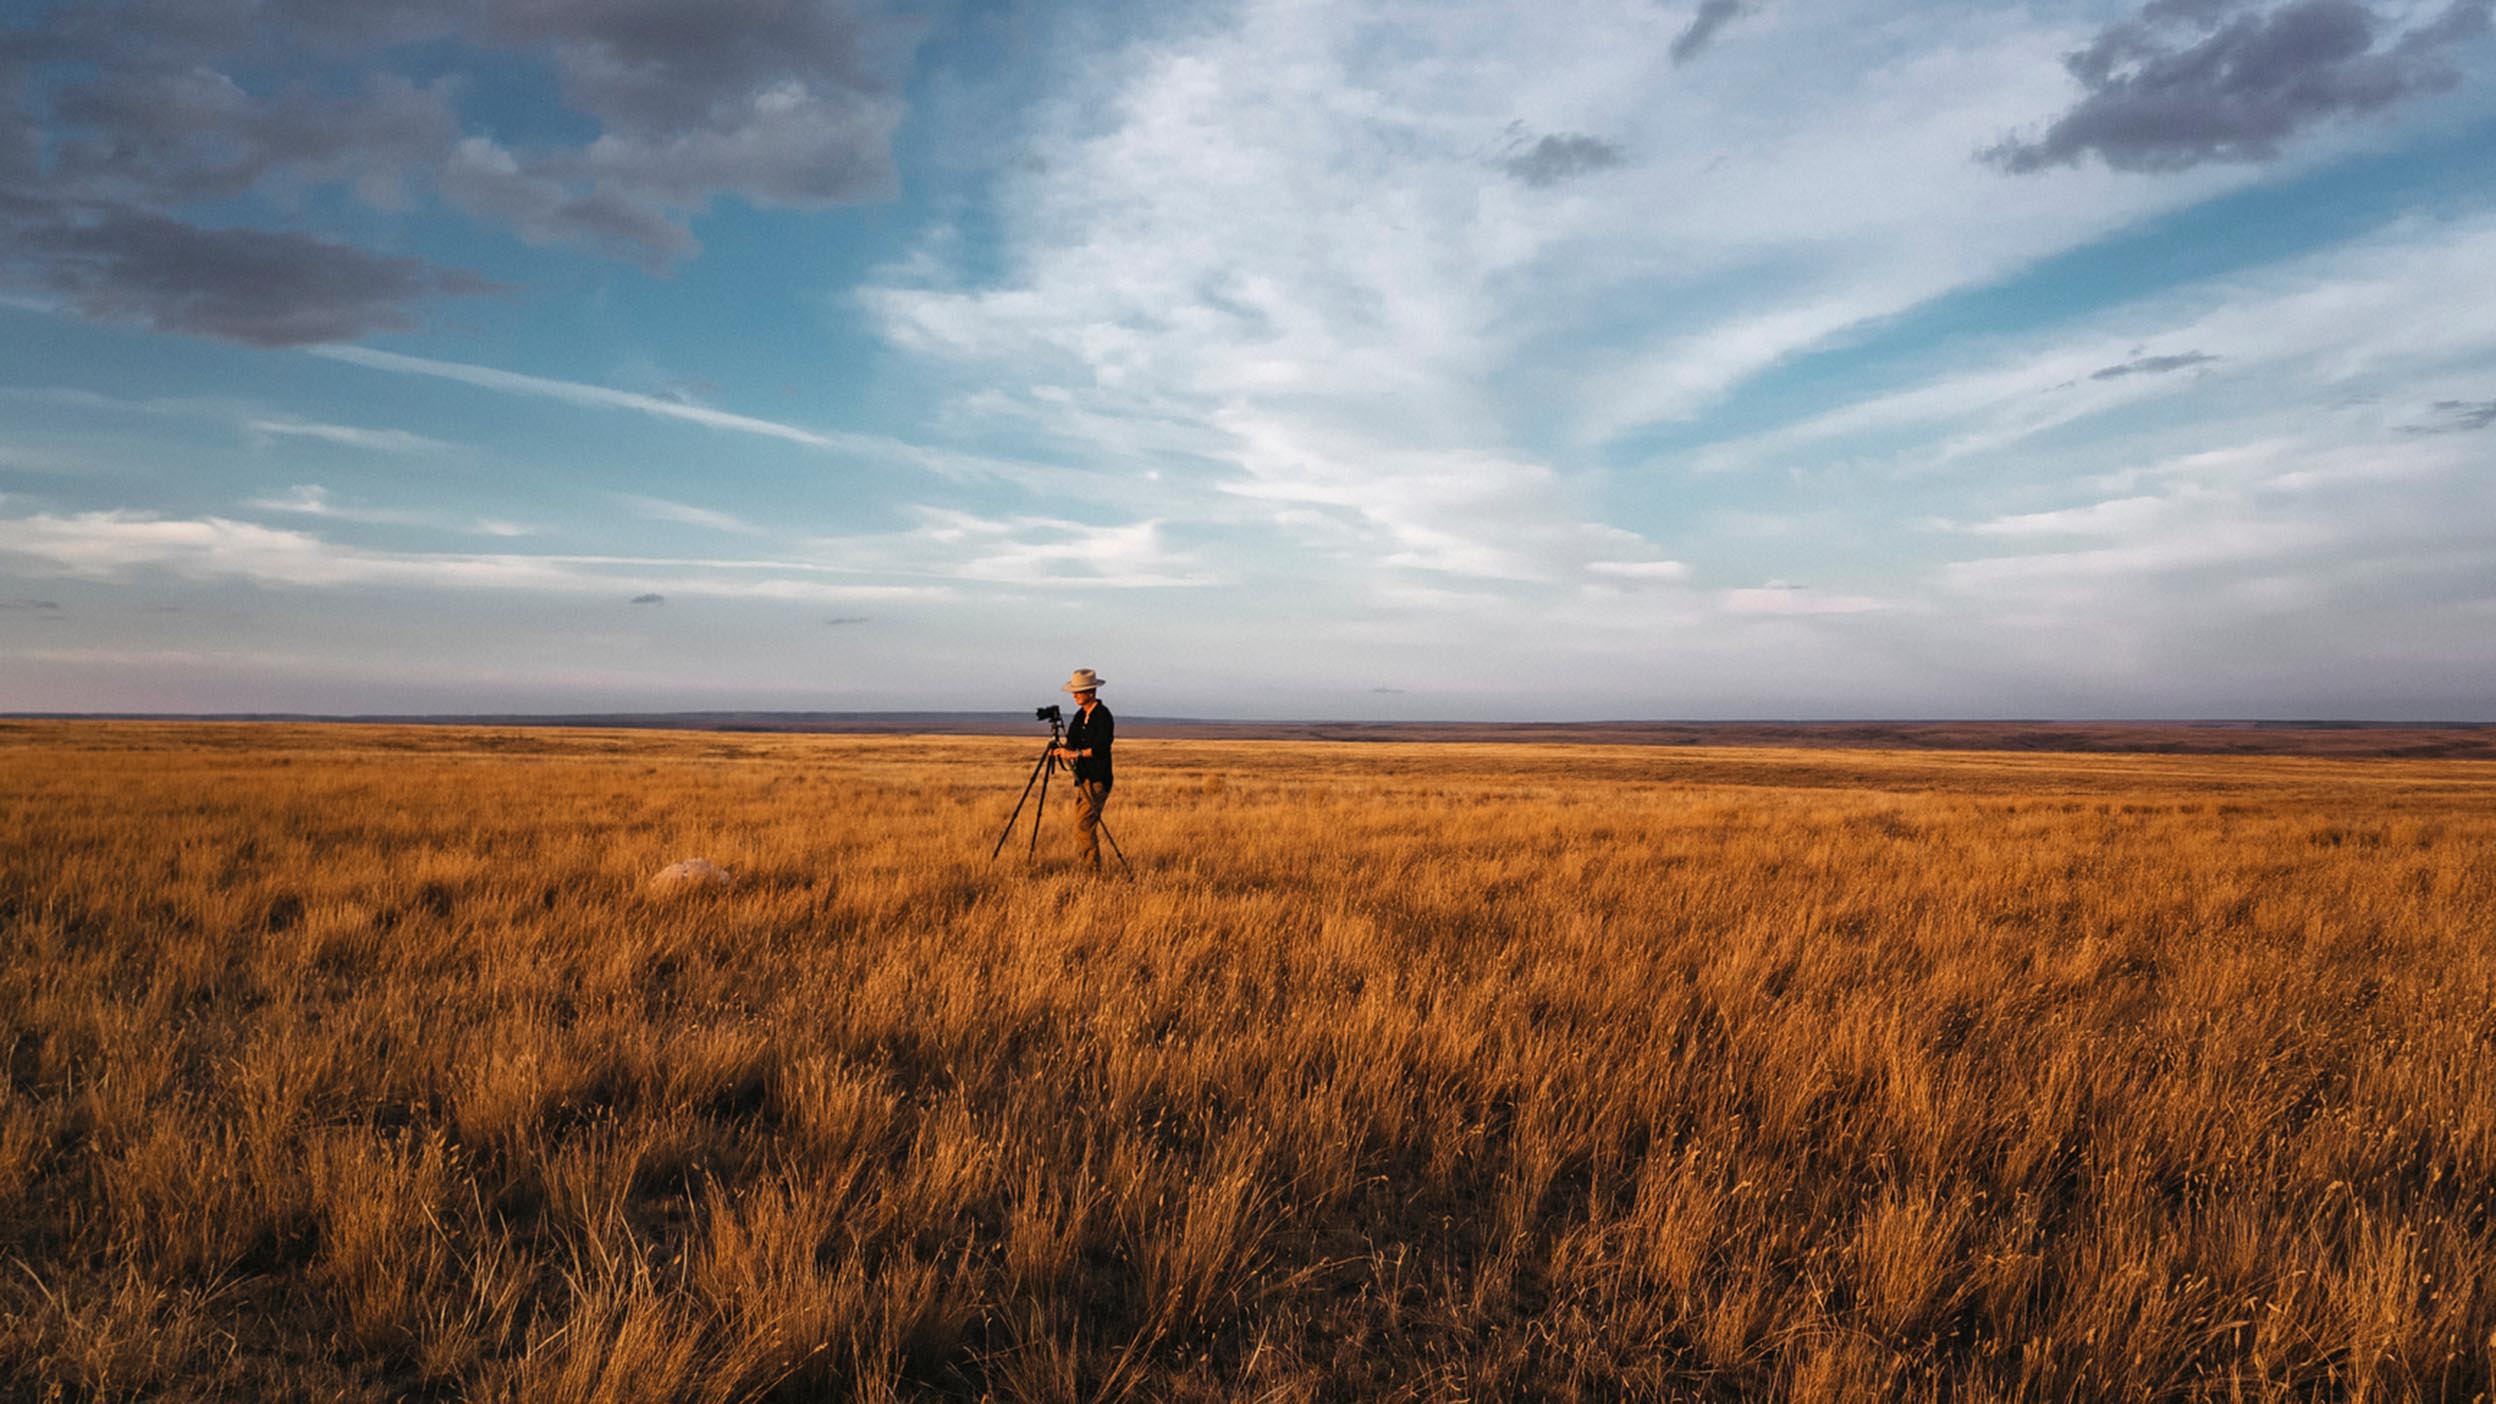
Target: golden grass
(363,1063)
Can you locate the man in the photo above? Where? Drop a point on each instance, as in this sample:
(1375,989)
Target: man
(1089,734)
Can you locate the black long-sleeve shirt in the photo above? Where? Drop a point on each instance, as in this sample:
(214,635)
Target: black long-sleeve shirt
(1092,731)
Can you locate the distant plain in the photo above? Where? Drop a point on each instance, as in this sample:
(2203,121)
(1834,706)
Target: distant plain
(2411,740)
(364,1062)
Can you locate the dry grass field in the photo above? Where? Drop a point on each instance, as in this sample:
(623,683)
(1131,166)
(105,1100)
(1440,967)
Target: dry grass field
(363,1063)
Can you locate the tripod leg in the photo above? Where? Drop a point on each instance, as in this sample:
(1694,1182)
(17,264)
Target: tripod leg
(1018,809)
(1048,768)
(1124,866)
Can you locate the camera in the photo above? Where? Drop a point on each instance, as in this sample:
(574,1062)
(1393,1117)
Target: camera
(1048,714)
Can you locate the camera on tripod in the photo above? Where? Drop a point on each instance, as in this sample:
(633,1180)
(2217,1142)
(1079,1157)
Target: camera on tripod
(1051,714)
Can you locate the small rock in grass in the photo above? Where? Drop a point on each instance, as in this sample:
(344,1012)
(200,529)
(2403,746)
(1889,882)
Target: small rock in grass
(691,874)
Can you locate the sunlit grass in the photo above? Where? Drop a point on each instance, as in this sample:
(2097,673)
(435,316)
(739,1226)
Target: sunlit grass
(365,1062)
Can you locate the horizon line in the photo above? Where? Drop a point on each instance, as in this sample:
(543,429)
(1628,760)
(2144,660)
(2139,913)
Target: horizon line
(577,715)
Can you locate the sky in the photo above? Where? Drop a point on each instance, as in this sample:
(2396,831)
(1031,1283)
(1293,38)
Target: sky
(1282,358)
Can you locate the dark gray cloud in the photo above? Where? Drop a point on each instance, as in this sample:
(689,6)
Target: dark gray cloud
(117,115)
(40,606)
(486,181)
(2190,81)
(2153,365)
(845,620)
(647,599)
(21,134)
(2457,417)
(1560,156)
(262,287)
(2206,13)
(1713,15)
(782,103)
(161,137)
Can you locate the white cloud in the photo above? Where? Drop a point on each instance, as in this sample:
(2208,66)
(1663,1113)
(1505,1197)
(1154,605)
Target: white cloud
(2306,573)
(379,440)
(1451,511)
(1260,263)
(2206,543)
(1640,570)
(313,500)
(1026,550)
(947,548)
(933,459)
(116,545)
(2384,312)
(1274,256)
(256,424)
(576,393)
(2204,493)
(1778,598)
(2116,517)
(659,509)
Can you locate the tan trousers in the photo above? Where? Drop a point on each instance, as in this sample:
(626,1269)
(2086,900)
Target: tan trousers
(1091,797)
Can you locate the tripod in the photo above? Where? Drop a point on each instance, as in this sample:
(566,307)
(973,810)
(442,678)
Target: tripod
(1041,771)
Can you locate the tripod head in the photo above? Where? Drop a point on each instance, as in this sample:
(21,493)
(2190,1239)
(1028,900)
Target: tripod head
(1056,718)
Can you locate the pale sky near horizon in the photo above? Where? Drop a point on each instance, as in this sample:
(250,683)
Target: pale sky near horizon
(1363,360)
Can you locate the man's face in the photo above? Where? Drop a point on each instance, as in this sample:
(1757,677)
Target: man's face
(1084,699)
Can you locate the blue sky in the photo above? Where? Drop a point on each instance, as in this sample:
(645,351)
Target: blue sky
(1575,360)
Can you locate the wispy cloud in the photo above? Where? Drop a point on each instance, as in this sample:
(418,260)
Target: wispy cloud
(2114,517)
(114,545)
(574,392)
(254,423)
(1560,156)
(80,398)
(2456,417)
(1777,597)
(2152,365)
(935,460)
(1022,551)
(2207,543)
(1639,570)
(947,549)
(2384,309)
(313,500)
(378,440)
(1275,232)
(659,509)
(1712,15)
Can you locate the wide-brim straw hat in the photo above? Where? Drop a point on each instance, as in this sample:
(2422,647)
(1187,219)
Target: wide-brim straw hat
(1084,680)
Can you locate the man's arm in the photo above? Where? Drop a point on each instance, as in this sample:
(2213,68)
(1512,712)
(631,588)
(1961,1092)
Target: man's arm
(1078,739)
